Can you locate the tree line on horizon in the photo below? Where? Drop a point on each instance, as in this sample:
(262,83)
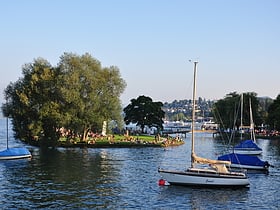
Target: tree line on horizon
(227,111)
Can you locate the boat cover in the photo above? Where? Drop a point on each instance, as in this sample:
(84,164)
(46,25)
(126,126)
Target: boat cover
(17,151)
(217,165)
(247,144)
(201,160)
(243,159)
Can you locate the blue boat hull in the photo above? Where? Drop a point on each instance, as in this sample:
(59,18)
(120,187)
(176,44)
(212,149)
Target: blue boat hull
(248,147)
(15,153)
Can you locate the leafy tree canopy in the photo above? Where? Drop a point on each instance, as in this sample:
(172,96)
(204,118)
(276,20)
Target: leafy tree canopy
(144,112)
(273,118)
(227,111)
(77,95)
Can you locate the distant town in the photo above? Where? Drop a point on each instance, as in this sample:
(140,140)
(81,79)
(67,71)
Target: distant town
(181,110)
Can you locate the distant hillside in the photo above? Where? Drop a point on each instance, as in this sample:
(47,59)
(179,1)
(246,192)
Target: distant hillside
(182,109)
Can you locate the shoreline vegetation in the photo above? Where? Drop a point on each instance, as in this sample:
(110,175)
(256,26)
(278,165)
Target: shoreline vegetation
(118,141)
(125,141)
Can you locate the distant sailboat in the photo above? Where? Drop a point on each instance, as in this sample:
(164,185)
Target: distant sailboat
(14,153)
(243,154)
(217,175)
(249,146)
(248,162)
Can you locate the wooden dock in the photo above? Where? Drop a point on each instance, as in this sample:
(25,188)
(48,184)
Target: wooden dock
(176,131)
(185,131)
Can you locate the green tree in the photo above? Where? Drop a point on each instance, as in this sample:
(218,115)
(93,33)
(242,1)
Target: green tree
(256,109)
(273,118)
(227,111)
(264,104)
(77,95)
(143,111)
(31,102)
(224,110)
(91,93)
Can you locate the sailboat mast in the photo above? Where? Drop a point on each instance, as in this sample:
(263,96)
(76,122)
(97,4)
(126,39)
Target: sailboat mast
(7,122)
(241,117)
(252,126)
(193,111)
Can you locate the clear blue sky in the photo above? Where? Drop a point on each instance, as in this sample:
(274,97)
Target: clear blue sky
(237,43)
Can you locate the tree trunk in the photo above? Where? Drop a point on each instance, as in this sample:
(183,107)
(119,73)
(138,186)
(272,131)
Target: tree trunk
(85,134)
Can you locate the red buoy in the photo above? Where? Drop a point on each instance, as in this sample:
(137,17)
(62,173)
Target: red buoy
(161,182)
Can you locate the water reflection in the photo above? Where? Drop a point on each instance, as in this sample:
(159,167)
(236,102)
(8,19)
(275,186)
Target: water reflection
(70,178)
(199,198)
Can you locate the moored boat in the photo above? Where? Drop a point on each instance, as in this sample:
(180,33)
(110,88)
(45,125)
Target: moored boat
(248,162)
(248,146)
(198,174)
(15,153)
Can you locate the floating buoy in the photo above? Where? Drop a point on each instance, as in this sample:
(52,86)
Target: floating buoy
(161,182)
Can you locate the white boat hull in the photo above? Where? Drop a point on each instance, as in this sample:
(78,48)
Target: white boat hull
(249,167)
(200,178)
(14,157)
(247,152)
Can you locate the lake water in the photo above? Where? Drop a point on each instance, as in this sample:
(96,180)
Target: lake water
(127,178)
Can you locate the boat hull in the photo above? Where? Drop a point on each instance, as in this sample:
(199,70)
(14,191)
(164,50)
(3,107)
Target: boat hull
(15,157)
(247,147)
(249,167)
(15,153)
(247,151)
(204,178)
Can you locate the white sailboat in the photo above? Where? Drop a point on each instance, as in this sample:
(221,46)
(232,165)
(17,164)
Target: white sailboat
(217,175)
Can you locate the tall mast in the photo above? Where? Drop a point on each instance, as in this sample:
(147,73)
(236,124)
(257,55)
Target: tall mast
(252,126)
(7,126)
(193,111)
(241,117)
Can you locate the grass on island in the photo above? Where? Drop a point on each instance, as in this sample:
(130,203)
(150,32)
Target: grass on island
(122,141)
